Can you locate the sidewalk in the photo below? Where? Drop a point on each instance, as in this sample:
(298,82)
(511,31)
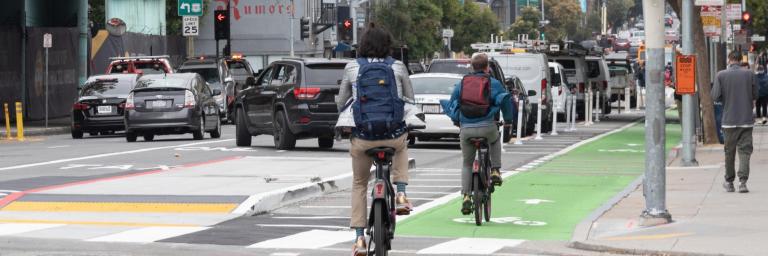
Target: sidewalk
(707,220)
(37,128)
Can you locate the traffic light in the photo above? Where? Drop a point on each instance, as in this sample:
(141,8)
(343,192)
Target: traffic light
(221,24)
(305,28)
(746,18)
(344,24)
(752,47)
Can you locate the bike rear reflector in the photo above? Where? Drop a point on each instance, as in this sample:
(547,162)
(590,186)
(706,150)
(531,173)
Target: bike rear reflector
(380,155)
(378,191)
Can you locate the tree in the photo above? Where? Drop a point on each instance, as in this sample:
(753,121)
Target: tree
(526,24)
(475,25)
(412,23)
(618,12)
(564,18)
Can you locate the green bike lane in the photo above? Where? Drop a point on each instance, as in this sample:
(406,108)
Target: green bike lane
(550,200)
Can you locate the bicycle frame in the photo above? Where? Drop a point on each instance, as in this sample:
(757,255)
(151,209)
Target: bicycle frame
(382,192)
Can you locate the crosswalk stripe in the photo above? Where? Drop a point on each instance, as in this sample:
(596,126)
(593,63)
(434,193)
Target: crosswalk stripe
(313,239)
(478,246)
(147,235)
(17,228)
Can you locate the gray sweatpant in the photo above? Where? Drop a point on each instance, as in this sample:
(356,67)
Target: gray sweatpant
(737,139)
(468,151)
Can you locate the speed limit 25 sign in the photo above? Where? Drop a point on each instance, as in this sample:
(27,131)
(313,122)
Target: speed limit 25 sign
(190,26)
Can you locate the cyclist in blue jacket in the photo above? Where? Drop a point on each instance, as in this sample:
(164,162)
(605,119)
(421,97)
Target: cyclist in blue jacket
(485,126)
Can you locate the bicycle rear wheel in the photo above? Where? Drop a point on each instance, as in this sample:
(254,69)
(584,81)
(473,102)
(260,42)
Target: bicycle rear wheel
(477,199)
(380,235)
(487,208)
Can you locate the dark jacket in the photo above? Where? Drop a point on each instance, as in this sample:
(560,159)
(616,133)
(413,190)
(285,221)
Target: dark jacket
(762,84)
(736,88)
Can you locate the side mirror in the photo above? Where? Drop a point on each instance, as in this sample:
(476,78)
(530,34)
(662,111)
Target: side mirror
(531,93)
(216,92)
(509,82)
(228,79)
(250,81)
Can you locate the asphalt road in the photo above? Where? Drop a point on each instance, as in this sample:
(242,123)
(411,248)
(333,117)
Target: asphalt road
(58,168)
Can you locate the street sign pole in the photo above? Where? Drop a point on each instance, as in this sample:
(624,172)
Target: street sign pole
(654,185)
(687,120)
(292,36)
(47,43)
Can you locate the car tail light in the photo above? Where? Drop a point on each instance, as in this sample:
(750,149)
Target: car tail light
(304,120)
(560,90)
(121,105)
(128,105)
(543,90)
(581,87)
(306,93)
(189,99)
(80,106)
(378,190)
(605,85)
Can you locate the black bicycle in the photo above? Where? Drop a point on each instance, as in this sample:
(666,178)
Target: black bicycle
(482,187)
(381,220)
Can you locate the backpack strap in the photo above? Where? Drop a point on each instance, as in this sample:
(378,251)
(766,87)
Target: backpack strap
(362,61)
(389,60)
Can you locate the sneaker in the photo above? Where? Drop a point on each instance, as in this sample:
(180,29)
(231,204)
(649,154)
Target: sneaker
(743,188)
(765,120)
(466,207)
(729,186)
(496,177)
(359,248)
(402,206)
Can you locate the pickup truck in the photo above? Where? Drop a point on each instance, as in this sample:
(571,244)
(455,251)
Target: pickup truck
(620,69)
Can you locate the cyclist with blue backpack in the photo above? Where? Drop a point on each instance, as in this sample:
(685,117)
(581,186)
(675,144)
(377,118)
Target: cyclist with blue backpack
(474,106)
(379,86)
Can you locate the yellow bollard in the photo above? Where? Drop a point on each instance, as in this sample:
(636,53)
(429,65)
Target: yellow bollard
(19,122)
(7,122)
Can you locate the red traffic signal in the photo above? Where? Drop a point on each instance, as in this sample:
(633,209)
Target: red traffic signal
(745,17)
(220,17)
(221,24)
(347,24)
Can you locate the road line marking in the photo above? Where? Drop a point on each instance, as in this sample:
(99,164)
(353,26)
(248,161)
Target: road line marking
(428,192)
(119,207)
(326,206)
(108,154)
(648,237)
(438,174)
(421,199)
(432,179)
(62,146)
(313,239)
(420,186)
(478,246)
(147,235)
(310,217)
(18,228)
(96,223)
(303,226)
(284,254)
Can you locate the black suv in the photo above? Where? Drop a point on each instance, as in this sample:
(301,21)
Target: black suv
(291,99)
(241,70)
(217,74)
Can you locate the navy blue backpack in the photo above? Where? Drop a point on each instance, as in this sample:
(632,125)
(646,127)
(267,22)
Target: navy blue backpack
(378,110)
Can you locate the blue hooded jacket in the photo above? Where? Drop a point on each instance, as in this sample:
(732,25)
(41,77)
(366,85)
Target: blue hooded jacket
(501,101)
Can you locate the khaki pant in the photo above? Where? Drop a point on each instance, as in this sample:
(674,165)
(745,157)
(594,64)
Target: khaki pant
(361,172)
(468,151)
(737,139)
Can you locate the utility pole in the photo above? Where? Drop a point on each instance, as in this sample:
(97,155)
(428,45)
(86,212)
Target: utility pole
(688,122)
(604,18)
(292,25)
(654,184)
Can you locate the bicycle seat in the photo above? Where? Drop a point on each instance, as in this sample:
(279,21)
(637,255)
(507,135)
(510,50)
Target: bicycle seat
(480,140)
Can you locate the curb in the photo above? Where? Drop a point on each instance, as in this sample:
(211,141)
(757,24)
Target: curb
(618,250)
(265,202)
(30,131)
(581,233)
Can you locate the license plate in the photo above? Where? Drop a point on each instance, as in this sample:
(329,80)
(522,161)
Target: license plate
(158,104)
(104,109)
(432,109)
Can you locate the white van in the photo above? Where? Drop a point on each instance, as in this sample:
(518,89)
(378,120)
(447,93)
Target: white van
(598,78)
(559,89)
(533,71)
(576,76)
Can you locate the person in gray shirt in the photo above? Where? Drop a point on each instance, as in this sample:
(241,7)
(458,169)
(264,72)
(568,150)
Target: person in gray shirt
(736,88)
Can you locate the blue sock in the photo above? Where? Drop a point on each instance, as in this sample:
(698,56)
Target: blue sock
(359,232)
(401,186)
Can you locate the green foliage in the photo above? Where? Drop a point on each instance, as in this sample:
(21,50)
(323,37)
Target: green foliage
(526,23)
(564,18)
(618,12)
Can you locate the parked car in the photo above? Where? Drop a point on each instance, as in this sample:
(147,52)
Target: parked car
(622,76)
(576,77)
(172,104)
(217,74)
(140,65)
(533,70)
(416,68)
(598,78)
(241,70)
(519,93)
(560,89)
(292,99)
(100,106)
(428,90)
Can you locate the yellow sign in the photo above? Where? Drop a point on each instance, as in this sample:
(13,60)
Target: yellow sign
(685,74)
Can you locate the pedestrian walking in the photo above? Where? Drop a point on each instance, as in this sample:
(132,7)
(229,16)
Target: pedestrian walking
(737,89)
(762,101)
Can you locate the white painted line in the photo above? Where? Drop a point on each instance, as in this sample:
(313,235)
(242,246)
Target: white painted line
(19,228)
(436,170)
(299,159)
(438,174)
(428,193)
(62,146)
(421,199)
(108,154)
(302,226)
(419,186)
(326,206)
(285,254)
(147,235)
(432,179)
(313,239)
(310,217)
(477,246)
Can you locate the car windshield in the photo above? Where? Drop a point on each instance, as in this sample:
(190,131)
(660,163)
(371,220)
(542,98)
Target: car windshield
(451,67)
(210,74)
(239,68)
(593,69)
(434,85)
(163,82)
(149,67)
(325,74)
(108,87)
(567,64)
